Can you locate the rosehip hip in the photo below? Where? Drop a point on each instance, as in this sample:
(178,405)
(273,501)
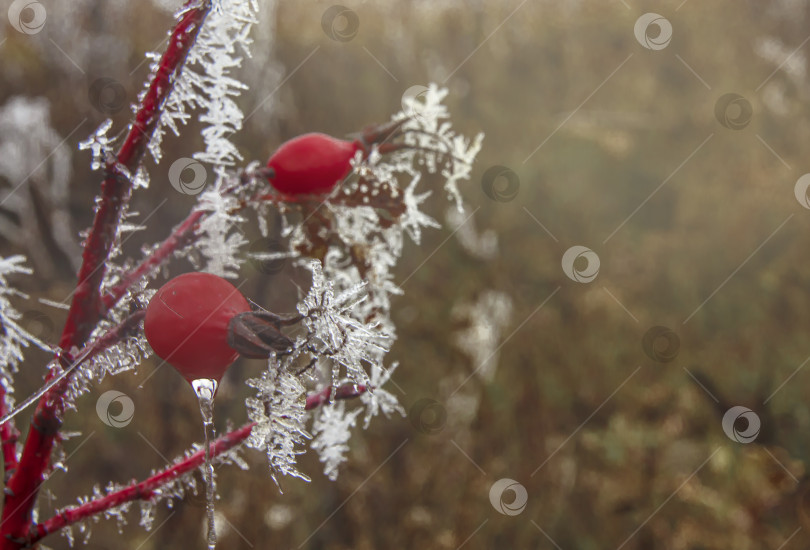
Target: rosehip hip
(311,164)
(187,324)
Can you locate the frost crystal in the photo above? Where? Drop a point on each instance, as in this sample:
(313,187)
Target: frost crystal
(67,532)
(14,338)
(433,139)
(206,82)
(279,413)
(220,237)
(100,146)
(414,219)
(226,30)
(147,515)
(377,399)
(336,332)
(332,431)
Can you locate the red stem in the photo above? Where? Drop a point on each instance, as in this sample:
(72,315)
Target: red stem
(139,491)
(57,381)
(86,307)
(145,489)
(180,237)
(346,391)
(8,436)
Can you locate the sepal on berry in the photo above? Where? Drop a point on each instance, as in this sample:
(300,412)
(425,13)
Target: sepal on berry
(257,334)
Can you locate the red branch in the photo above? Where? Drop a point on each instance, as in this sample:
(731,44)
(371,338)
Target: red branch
(8,436)
(180,237)
(125,328)
(145,489)
(86,307)
(346,391)
(58,381)
(139,491)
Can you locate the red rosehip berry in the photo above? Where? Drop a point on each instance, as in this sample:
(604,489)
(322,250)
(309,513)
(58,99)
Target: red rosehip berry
(311,164)
(187,324)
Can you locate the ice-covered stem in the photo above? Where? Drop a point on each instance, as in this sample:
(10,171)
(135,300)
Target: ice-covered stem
(139,491)
(182,235)
(346,391)
(57,380)
(25,481)
(8,437)
(86,306)
(146,488)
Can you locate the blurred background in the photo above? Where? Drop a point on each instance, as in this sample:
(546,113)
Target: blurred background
(671,146)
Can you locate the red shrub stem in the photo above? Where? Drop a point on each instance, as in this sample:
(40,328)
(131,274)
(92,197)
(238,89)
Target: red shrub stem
(86,307)
(8,437)
(145,489)
(182,235)
(138,491)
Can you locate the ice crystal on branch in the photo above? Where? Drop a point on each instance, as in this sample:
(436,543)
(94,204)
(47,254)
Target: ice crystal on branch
(220,239)
(124,356)
(340,349)
(427,130)
(414,219)
(147,515)
(356,236)
(379,400)
(225,32)
(332,431)
(207,82)
(279,412)
(336,332)
(14,338)
(100,146)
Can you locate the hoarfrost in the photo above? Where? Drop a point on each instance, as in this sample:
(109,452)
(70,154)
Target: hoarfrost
(332,431)
(220,239)
(14,338)
(279,412)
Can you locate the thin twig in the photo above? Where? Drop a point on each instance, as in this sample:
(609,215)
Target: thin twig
(145,490)
(8,436)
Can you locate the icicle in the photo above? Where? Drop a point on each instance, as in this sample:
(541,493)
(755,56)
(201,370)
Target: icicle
(205,390)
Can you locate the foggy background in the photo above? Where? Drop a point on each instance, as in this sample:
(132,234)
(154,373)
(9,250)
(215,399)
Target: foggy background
(605,398)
